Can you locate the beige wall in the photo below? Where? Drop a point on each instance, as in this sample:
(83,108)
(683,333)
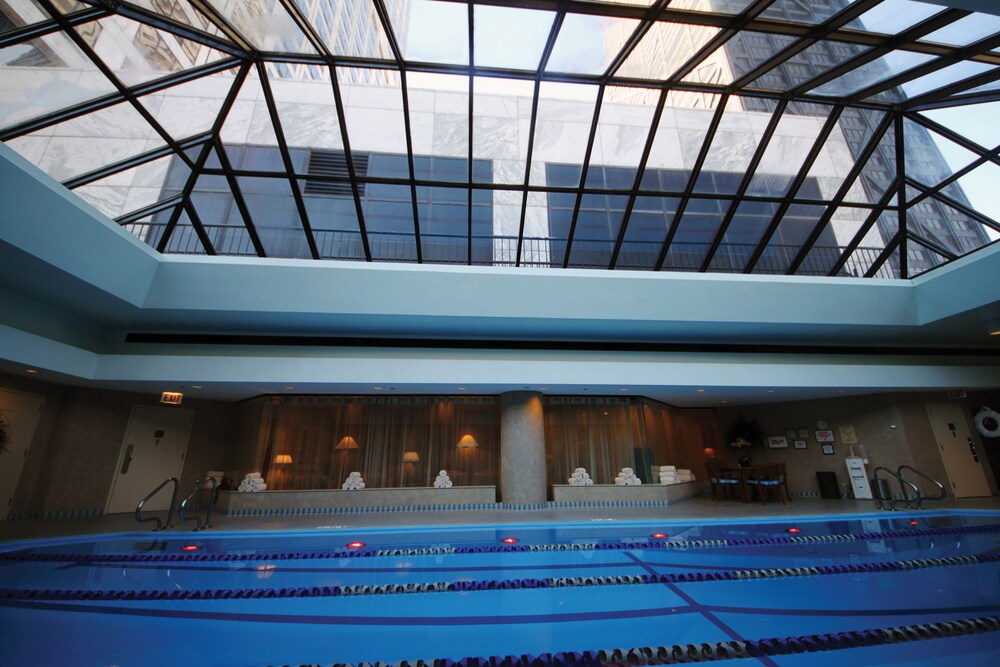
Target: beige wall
(873,417)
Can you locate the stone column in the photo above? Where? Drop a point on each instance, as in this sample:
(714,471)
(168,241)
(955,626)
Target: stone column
(522,448)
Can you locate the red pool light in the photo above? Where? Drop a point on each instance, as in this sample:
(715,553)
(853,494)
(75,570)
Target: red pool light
(509,540)
(355,545)
(659,536)
(190,547)
(794,530)
(914,523)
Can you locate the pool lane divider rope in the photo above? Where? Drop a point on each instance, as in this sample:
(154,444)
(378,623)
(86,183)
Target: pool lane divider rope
(708,652)
(66,595)
(343,552)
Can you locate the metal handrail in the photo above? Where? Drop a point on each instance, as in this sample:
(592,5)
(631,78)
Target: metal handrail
(208,512)
(921,498)
(903,483)
(170,513)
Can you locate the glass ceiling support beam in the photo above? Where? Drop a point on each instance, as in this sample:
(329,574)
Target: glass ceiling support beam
(286,159)
(135,161)
(901,194)
(948,133)
(933,246)
(241,203)
(828,127)
(939,97)
(958,101)
(584,171)
(941,197)
(838,198)
(43,28)
(884,256)
(532,124)
(223,24)
(123,90)
(199,228)
(982,46)
(815,34)
(472,92)
(891,43)
(639,173)
(692,179)
(165,23)
(199,164)
(633,40)
(758,155)
(152,209)
(859,236)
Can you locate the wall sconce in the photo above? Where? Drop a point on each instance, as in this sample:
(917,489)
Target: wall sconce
(347,442)
(467,441)
(283,458)
(411,457)
(709,453)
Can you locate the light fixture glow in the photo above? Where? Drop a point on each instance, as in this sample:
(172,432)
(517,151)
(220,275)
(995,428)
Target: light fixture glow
(794,530)
(171,397)
(283,458)
(411,457)
(30,370)
(467,441)
(510,540)
(347,442)
(190,547)
(355,545)
(659,536)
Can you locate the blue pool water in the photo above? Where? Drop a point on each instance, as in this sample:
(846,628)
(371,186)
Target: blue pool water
(306,597)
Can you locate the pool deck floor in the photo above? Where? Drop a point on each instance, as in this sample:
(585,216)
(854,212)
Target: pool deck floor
(695,509)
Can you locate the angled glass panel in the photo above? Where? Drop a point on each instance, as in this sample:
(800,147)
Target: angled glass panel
(869,74)
(500,124)
(44,75)
(808,64)
(267,27)
(88,142)
(695,233)
(191,108)
(138,52)
(965,31)
(808,11)
(334,220)
(68,6)
(510,37)
(484,242)
(373,113)
(248,121)
(892,17)
(739,55)
(587,44)
(388,211)
(184,239)
(434,31)
(718,6)
(272,208)
(985,88)
(647,228)
(439,121)
(872,245)
(536,247)
(348,28)
(640,3)
(664,48)
(744,232)
(181,11)
(562,127)
(444,221)
(978,189)
(734,145)
(16,14)
(679,137)
(149,229)
(787,240)
(132,189)
(838,155)
(835,236)
(597,230)
(877,174)
(936,222)
(307,113)
(891,269)
(506,225)
(622,129)
(785,154)
(921,259)
(942,77)
(924,159)
(974,121)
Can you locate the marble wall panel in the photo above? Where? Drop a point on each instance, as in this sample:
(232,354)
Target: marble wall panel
(619,145)
(495,138)
(506,216)
(498,106)
(66,157)
(301,92)
(451,135)
(785,155)
(731,151)
(640,115)
(422,132)
(667,151)
(183,117)
(29,147)
(237,125)
(310,125)
(35,91)
(421,100)
(508,172)
(560,141)
(451,103)
(369,97)
(261,130)
(377,130)
(108,200)
(140,197)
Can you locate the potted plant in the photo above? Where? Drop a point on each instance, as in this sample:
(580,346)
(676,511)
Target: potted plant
(5,435)
(743,434)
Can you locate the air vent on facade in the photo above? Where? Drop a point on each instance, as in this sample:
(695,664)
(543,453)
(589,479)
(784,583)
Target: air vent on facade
(334,164)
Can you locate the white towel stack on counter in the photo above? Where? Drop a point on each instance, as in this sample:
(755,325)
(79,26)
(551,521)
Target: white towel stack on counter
(668,474)
(253,482)
(685,475)
(627,478)
(442,481)
(353,482)
(580,477)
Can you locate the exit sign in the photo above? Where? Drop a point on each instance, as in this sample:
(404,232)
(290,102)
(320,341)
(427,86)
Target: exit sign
(171,397)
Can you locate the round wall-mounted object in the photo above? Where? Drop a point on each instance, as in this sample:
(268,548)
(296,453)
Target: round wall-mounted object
(988,423)
(822,425)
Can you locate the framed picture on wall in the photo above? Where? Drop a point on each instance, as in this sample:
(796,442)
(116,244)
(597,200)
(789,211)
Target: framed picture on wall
(790,433)
(803,431)
(800,444)
(828,450)
(777,442)
(824,436)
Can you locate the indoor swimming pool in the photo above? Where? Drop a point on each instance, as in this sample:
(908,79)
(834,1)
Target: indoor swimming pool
(902,588)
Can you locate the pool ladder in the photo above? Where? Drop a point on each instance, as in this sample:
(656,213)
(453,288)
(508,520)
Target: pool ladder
(916,502)
(180,509)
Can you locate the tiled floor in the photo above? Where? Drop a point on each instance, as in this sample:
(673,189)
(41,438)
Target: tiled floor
(696,509)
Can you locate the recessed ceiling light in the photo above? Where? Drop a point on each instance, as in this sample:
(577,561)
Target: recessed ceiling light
(288,386)
(770,391)
(840,391)
(700,391)
(623,389)
(995,333)
(461,388)
(30,370)
(377,388)
(196,386)
(723,401)
(546,389)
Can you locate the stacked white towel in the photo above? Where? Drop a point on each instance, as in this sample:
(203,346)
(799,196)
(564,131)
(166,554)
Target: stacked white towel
(580,477)
(667,474)
(685,475)
(442,481)
(627,478)
(252,482)
(353,482)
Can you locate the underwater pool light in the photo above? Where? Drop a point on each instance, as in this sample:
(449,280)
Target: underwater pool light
(914,523)
(509,540)
(355,545)
(659,536)
(794,530)
(190,547)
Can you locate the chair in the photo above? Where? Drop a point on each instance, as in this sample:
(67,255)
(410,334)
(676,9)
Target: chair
(770,479)
(718,481)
